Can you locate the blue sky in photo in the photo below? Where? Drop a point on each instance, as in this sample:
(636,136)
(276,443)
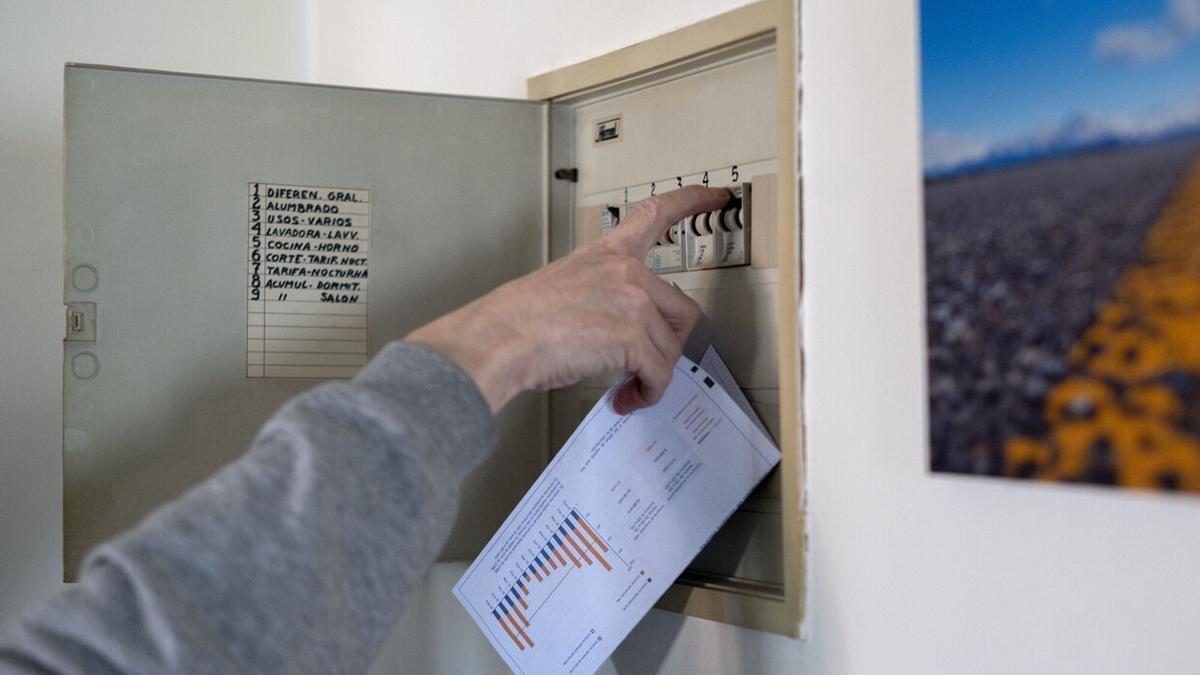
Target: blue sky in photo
(994,72)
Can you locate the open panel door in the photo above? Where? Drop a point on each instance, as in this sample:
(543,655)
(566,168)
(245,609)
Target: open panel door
(179,347)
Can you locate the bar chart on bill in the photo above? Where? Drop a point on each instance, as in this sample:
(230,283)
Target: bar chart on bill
(568,545)
(610,524)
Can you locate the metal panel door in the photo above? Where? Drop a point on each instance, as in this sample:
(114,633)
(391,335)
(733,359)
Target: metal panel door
(178,347)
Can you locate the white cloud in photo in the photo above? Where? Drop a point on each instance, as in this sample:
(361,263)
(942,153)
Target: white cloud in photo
(1163,121)
(1185,14)
(944,150)
(1135,43)
(1153,40)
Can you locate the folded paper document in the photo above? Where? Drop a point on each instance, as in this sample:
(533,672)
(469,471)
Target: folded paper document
(617,515)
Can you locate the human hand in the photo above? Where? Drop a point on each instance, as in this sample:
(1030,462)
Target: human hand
(595,310)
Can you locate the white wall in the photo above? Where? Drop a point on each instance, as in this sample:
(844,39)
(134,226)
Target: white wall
(911,573)
(482,48)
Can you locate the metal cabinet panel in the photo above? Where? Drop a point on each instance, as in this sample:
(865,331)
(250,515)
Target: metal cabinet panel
(157,173)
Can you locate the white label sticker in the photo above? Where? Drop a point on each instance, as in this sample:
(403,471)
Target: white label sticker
(607,130)
(306,281)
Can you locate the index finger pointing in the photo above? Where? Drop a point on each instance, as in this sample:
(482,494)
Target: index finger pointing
(638,232)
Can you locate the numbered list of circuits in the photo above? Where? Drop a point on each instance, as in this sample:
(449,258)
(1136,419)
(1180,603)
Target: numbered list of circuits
(307,280)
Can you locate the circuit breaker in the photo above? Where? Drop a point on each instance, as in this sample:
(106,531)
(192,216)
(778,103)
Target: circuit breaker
(710,240)
(230,243)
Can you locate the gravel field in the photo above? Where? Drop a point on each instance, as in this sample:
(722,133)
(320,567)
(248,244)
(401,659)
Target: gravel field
(1017,262)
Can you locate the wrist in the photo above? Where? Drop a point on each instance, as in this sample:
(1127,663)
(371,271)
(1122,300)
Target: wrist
(490,354)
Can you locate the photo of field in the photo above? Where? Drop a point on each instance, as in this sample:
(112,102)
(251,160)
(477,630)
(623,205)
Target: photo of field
(1062,228)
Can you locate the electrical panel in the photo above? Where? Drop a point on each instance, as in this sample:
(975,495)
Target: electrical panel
(630,139)
(230,243)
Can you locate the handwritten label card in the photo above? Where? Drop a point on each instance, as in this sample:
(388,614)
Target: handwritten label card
(307,281)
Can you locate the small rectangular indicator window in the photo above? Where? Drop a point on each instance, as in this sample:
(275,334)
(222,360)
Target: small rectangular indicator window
(608,130)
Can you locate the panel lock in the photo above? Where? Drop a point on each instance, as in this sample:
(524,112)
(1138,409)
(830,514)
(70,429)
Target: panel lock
(81,322)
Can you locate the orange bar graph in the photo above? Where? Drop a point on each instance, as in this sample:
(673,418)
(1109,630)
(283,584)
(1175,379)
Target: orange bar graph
(522,632)
(508,630)
(607,567)
(575,543)
(599,542)
(520,616)
(578,550)
(569,554)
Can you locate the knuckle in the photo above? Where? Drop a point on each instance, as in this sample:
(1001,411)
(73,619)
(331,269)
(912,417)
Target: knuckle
(641,299)
(622,299)
(626,268)
(676,349)
(650,359)
(633,355)
(634,300)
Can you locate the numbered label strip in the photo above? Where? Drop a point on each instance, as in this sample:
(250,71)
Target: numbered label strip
(307,280)
(717,177)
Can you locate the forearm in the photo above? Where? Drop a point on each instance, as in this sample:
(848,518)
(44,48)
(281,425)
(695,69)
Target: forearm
(299,556)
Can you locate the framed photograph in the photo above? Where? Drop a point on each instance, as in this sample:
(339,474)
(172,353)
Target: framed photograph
(1061,146)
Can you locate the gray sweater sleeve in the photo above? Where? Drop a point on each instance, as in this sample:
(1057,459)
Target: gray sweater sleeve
(296,558)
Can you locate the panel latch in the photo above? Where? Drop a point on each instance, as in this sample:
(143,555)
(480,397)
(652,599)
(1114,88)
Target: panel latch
(81,322)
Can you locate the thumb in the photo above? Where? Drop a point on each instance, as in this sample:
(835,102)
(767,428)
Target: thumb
(638,232)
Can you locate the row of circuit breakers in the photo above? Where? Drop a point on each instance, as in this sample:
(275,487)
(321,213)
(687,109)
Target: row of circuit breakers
(704,241)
